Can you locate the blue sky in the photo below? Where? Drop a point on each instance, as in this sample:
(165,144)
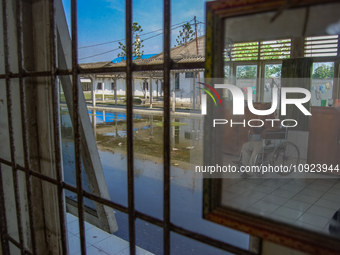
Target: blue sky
(102,21)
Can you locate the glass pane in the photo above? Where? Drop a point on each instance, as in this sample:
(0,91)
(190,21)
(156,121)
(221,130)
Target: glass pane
(272,80)
(246,77)
(322,83)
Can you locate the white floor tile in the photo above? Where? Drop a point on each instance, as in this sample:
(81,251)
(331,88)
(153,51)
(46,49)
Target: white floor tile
(257,211)
(328,204)
(334,191)
(312,192)
(73,227)
(321,211)
(275,199)
(330,196)
(91,250)
(244,200)
(254,194)
(318,186)
(139,251)
(70,218)
(265,188)
(305,198)
(236,189)
(292,187)
(112,245)
(284,193)
(288,213)
(265,206)
(95,235)
(298,205)
(74,244)
(313,219)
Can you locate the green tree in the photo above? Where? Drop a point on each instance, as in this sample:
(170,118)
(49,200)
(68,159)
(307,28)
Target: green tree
(323,72)
(246,72)
(273,70)
(187,34)
(137,43)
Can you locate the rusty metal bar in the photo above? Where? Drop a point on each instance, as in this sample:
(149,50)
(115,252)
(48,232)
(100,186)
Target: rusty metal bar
(166,138)
(10,126)
(17,244)
(76,124)
(3,221)
(24,122)
(129,125)
(56,127)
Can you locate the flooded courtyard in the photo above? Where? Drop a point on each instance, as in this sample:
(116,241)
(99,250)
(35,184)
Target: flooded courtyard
(186,185)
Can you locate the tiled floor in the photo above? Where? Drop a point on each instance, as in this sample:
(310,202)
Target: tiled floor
(97,240)
(309,203)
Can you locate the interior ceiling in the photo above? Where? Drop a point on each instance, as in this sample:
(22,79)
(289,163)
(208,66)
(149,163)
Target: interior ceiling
(290,23)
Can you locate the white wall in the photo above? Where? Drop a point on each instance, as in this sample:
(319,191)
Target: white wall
(183,94)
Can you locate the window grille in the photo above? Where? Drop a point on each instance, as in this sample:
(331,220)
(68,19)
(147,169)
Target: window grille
(321,46)
(57,182)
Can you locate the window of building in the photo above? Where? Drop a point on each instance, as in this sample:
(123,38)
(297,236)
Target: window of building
(321,46)
(99,86)
(113,86)
(176,80)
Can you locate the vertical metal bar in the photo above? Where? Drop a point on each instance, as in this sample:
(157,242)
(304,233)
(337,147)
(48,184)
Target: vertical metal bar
(76,124)
(10,125)
(3,221)
(166,141)
(24,123)
(129,121)
(56,126)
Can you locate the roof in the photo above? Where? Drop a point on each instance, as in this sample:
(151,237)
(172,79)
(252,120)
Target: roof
(120,59)
(185,53)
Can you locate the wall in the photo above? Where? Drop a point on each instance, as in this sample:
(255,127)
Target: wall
(289,23)
(183,94)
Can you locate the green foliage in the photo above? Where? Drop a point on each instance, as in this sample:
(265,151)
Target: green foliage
(246,72)
(185,35)
(273,70)
(137,43)
(323,72)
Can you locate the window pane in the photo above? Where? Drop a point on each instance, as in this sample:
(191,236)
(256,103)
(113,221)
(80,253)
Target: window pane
(246,77)
(322,83)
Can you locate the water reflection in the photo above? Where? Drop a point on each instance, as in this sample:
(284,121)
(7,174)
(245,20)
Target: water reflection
(186,186)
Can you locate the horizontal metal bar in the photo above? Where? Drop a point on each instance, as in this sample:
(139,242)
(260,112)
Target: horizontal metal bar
(17,244)
(210,241)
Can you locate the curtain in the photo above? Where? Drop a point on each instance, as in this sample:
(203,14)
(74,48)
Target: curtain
(297,73)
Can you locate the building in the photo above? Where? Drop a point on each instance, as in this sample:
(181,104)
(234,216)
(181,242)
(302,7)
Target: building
(182,81)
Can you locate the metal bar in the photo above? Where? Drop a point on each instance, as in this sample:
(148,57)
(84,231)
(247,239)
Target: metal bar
(10,126)
(166,138)
(129,123)
(56,127)
(24,123)
(17,244)
(3,221)
(76,124)
(210,241)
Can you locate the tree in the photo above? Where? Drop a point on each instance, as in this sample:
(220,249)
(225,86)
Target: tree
(137,43)
(273,70)
(246,72)
(323,72)
(187,34)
